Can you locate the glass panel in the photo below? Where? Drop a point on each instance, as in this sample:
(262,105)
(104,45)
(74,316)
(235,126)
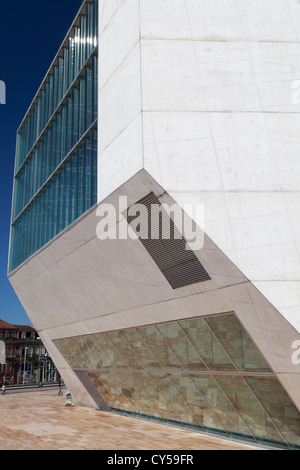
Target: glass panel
(139,400)
(200,408)
(53,204)
(104,346)
(181,346)
(223,409)
(207,345)
(100,386)
(159,347)
(97,358)
(114,358)
(140,348)
(82,352)
(237,343)
(279,407)
(182,412)
(118,395)
(154,403)
(250,409)
(125,350)
(58,81)
(162,407)
(70,348)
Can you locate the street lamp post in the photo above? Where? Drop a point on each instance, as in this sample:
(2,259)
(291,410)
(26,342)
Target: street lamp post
(24,365)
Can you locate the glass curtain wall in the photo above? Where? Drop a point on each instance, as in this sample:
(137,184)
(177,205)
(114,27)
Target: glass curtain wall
(205,373)
(82,41)
(56,159)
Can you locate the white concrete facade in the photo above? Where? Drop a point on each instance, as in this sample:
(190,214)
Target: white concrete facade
(202,95)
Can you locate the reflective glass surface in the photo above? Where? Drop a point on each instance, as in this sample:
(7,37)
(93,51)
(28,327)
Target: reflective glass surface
(237,343)
(280,408)
(56,157)
(66,196)
(207,344)
(204,373)
(70,123)
(82,40)
(250,408)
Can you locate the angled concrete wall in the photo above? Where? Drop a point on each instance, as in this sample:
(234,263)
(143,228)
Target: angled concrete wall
(221,128)
(207,107)
(81,285)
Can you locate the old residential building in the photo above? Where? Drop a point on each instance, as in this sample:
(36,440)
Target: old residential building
(27,360)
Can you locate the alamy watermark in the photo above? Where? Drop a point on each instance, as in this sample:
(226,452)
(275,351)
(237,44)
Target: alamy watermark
(295,92)
(2,92)
(152,222)
(296,354)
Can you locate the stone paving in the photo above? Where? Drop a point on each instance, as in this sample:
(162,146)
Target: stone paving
(40,421)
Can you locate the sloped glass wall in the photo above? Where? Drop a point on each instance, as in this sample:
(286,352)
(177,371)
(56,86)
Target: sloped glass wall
(205,373)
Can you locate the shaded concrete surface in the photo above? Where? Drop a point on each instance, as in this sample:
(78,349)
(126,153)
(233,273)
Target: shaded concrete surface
(40,421)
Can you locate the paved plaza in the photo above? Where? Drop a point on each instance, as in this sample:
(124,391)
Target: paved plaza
(40,421)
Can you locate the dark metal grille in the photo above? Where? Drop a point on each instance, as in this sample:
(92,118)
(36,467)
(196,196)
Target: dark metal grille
(166,246)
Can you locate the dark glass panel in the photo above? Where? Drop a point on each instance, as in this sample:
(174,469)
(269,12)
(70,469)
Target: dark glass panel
(237,343)
(82,352)
(175,400)
(279,407)
(125,350)
(67,350)
(161,406)
(116,358)
(106,346)
(207,345)
(250,409)
(139,399)
(54,208)
(97,356)
(95,378)
(181,346)
(221,406)
(141,349)
(120,393)
(159,347)
(200,408)
(73,351)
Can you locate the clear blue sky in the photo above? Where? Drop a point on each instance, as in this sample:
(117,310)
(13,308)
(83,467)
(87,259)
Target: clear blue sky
(31,32)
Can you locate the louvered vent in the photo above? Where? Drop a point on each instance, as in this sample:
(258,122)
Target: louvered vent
(165,244)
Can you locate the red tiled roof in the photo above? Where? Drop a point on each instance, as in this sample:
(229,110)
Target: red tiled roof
(24,327)
(6,326)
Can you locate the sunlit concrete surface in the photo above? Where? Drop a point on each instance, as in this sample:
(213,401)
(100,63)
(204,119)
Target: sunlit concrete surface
(40,421)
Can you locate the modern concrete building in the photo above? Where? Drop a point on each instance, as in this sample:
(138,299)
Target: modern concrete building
(192,104)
